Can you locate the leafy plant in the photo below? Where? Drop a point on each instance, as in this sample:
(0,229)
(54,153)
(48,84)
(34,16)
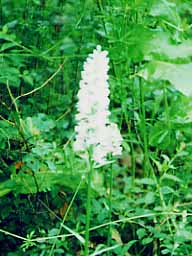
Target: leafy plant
(43,183)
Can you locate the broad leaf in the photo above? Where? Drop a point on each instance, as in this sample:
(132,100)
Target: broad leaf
(179,75)
(165,10)
(161,46)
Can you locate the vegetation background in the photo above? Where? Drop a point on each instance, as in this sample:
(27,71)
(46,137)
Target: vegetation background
(43,45)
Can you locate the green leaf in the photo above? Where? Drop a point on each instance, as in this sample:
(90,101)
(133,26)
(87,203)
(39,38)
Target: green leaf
(167,190)
(42,181)
(67,46)
(161,46)
(184,235)
(138,46)
(129,244)
(5,191)
(6,187)
(170,177)
(6,46)
(146,181)
(51,165)
(165,9)
(159,136)
(27,77)
(7,37)
(179,75)
(141,232)
(147,240)
(11,75)
(43,122)
(149,198)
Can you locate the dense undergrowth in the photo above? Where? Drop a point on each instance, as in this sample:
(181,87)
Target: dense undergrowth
(43,182)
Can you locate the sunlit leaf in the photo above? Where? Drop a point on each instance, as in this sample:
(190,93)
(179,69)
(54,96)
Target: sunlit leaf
(161,46)
(165,9)
(179,75)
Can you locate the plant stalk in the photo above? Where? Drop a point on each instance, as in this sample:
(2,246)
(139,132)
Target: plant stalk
(88,206)
(144,130)
(110,209)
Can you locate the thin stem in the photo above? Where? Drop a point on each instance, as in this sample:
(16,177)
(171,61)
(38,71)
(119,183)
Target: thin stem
(21,130)
(166,106)
(41,86)
(133,165)
(88,206)
(18,121)
(162,200)
(116,222)
(7,121)
(65,216)
(143,129)
(110,209)
(1,13)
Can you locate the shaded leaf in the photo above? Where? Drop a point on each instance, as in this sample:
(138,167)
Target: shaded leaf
(6,46)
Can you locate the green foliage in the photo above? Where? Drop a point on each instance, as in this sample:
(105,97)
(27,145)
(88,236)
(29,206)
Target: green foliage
(42,182)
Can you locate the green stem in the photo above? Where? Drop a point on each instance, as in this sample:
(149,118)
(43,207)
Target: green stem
(88,206)
(1,13)
(143,128)
(64,218)
(133,165)
(110,209)
(166,107)
(162,200)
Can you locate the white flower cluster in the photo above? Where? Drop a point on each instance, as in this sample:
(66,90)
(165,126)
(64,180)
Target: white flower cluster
(93,125)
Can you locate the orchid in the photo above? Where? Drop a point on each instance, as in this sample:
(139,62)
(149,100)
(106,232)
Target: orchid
(94,127)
